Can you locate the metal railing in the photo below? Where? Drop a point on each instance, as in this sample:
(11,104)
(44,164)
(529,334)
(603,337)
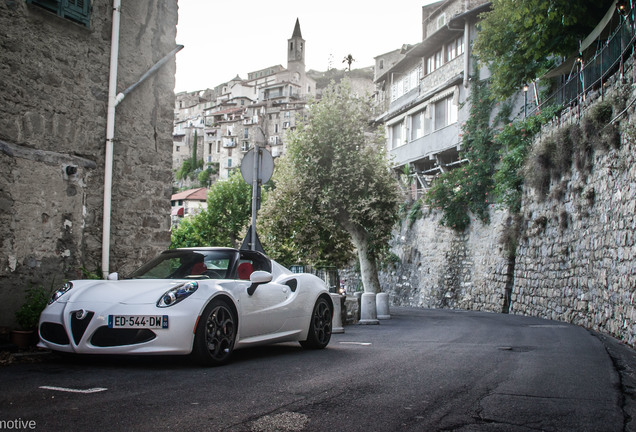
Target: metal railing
(593,73)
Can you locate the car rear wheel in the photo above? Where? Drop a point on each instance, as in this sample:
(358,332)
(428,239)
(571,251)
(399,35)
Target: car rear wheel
(320,327)
(215,334)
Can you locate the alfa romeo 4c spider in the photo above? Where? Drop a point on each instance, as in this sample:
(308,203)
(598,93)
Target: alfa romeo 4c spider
(203,302)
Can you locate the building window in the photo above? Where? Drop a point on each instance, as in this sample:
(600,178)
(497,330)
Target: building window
(74,10)
(246,133)
(455,48)
(396,135)
(445,113)
(434,62)
(441,21)
(420,124)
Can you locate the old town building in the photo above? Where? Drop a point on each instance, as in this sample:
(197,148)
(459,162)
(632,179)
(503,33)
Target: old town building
(423,89)
(55,70)
(233,117)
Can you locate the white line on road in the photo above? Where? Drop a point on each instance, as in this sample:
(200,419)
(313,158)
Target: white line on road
(356,343)
(70,390)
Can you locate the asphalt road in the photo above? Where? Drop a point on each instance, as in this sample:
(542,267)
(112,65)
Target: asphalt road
(422,370)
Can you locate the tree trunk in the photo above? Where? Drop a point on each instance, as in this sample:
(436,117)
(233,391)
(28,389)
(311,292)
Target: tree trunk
(368,267)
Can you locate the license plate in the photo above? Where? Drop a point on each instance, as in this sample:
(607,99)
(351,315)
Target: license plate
(138,321)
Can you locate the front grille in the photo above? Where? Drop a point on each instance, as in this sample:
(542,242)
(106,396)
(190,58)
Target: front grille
(108,337)
(54,333)
(78,326)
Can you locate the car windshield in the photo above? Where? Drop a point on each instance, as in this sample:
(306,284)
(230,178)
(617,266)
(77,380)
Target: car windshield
(188,264)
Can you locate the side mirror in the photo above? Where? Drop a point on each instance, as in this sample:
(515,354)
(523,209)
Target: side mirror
(257,278)
(261,277)
(113,276)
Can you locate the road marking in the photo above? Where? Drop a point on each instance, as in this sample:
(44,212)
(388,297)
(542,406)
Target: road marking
(548,326)
(70,390)
(356,343)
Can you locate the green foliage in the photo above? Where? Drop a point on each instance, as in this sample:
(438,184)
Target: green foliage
(204,176)
(225,220)
(415,212)
(87,274)
(514,141)
(334,180)
(519,40)
(466,189)
(189,169)
(35,301)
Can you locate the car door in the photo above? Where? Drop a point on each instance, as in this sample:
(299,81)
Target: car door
(265,309)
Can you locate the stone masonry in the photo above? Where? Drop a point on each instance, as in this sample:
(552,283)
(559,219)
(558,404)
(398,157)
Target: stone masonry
(576,254)
(53,100)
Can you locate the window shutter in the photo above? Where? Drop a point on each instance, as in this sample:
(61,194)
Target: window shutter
(77,10)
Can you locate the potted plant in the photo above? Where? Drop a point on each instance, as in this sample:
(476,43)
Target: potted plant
(28,316)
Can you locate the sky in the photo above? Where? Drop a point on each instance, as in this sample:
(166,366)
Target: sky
(223,39)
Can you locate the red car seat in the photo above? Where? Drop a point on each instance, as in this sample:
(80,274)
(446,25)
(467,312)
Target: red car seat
(245,270)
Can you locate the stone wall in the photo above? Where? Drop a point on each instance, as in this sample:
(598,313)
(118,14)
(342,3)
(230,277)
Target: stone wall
(53,101)
(439,268)
(576,259)
(576,254)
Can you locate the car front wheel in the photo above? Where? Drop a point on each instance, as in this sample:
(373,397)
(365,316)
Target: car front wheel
(320,326)
(215,334)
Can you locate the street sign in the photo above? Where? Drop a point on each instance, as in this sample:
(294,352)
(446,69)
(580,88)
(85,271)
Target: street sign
(257,168)
(265,168)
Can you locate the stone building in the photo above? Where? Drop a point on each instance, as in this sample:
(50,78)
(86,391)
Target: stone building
(423,88)
(234,116)
(188,203)
(54,98)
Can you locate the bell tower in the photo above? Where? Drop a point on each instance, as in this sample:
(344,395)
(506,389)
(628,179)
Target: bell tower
(296,51)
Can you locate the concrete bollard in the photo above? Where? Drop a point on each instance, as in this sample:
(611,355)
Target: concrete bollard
(368,310)
(382,303)
(336,322)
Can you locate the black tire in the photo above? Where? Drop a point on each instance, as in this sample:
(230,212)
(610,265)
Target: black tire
(320,327)
(215,334)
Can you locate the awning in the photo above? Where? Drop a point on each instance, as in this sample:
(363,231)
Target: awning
(568,66)
(177,211)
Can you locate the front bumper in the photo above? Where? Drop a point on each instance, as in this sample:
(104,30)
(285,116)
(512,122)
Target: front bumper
(62,328)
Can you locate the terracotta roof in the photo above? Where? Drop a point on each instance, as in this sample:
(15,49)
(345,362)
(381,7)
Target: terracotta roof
(200,194)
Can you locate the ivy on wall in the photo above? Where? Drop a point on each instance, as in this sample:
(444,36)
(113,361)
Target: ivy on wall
(494,158)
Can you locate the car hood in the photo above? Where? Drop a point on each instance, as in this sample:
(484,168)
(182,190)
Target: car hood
(133,291)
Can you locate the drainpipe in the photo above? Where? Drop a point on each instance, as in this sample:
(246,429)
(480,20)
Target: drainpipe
(113,100)
(110,133)
(466,52)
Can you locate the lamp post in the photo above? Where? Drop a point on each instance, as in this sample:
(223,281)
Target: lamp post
(525,100)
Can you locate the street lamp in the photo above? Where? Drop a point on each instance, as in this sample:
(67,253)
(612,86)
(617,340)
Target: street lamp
(525,100)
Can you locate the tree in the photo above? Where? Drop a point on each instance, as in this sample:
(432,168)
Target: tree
(349,59)
(519,41)
(190,166)
(283,227)
(225,220)
(336,179)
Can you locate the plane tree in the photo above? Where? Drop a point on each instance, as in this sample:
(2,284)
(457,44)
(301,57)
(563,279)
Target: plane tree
(334,186)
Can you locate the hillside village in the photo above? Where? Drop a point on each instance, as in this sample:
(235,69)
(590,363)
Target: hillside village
(420,92)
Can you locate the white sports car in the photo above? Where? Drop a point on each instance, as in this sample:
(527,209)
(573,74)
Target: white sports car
(200,301)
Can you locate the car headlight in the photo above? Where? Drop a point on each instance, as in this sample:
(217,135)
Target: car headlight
(176,294)
(60,292)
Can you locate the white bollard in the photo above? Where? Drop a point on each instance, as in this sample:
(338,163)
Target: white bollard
(382,303)
(336,322)
(368,310)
